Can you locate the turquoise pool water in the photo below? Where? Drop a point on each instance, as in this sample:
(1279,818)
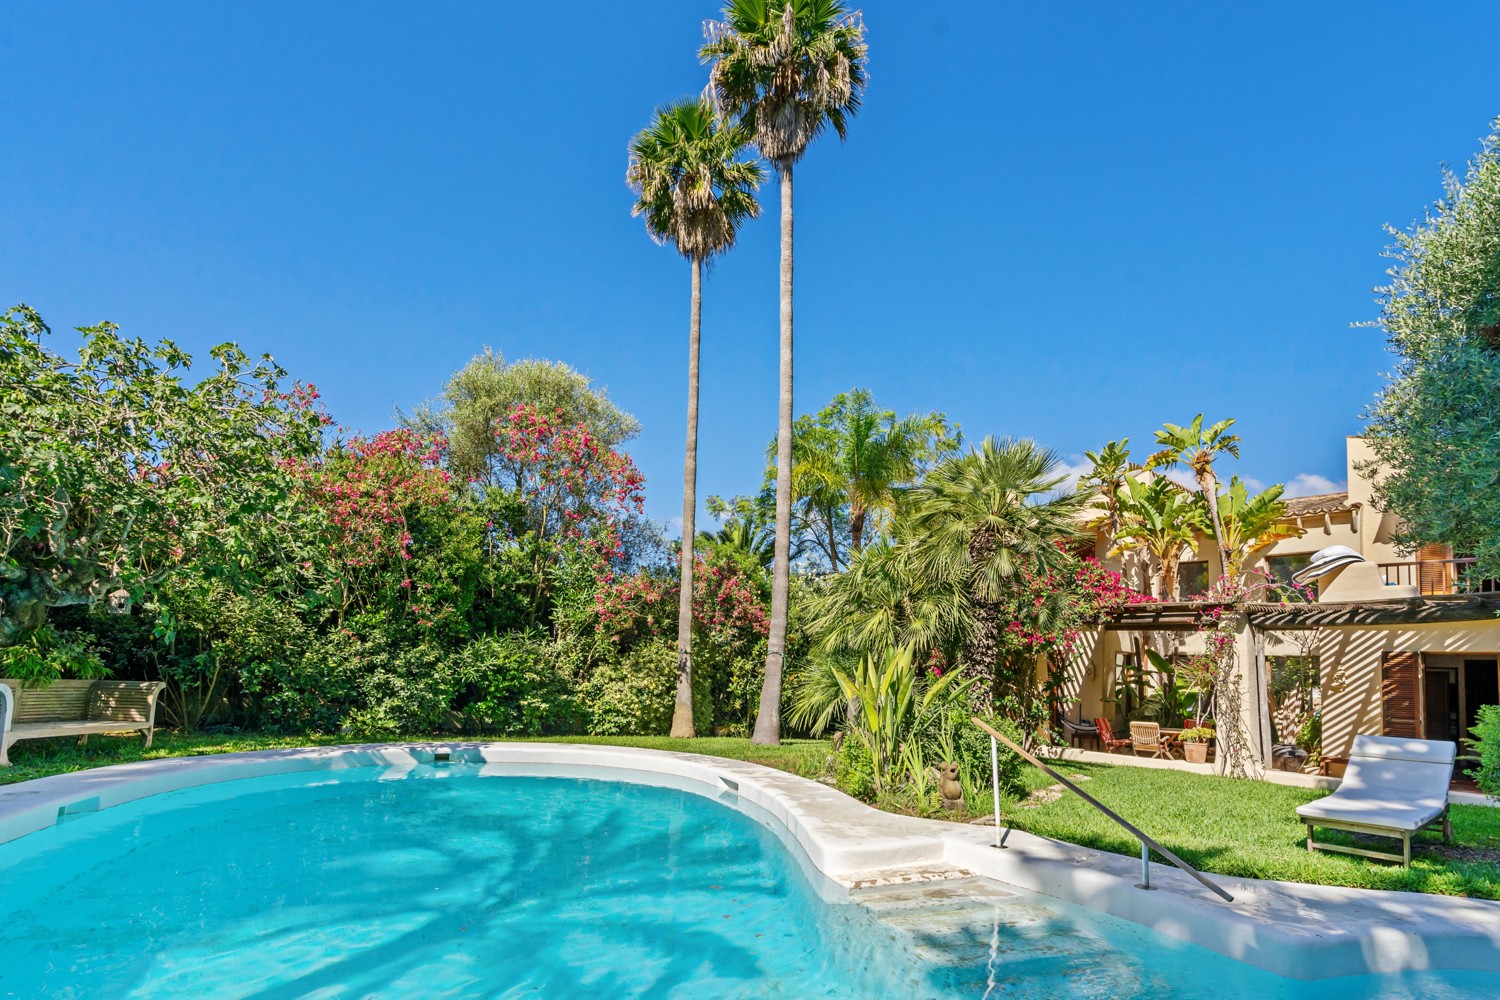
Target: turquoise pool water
(438,881)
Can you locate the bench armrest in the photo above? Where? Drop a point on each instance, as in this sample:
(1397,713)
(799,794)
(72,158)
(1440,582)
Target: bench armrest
(7,707)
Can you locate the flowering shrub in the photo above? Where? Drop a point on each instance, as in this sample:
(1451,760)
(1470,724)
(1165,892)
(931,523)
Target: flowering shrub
(1046,615)
(726,601)
(386,503)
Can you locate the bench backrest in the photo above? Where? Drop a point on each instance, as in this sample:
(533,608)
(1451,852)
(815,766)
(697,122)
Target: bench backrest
(80,701)
(123,701)
(1406,770)
(58,701)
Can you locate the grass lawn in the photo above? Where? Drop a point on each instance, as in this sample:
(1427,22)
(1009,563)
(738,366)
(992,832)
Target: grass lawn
(1250,828)
(1219,825)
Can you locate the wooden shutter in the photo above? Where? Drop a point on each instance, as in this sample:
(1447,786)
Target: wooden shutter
(1435,569)
(1400,707)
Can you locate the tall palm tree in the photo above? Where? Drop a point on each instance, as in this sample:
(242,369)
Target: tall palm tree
(981,521)
(787,70)
(1197,448)
(694,189)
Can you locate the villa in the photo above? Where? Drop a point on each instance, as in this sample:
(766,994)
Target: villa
(1394,644)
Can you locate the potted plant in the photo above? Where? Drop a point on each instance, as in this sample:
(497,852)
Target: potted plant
(1195,744)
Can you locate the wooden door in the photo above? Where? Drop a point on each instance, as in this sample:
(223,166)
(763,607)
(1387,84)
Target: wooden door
(1401,695)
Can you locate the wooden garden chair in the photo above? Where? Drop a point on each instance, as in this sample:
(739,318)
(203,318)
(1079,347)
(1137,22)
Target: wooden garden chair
(1107,738)
(1145,737)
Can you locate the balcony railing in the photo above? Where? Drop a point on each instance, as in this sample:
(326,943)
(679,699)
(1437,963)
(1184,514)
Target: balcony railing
(1435,576)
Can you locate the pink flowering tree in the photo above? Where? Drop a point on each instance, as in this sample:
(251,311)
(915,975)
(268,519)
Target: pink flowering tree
(575,496)
(386,502)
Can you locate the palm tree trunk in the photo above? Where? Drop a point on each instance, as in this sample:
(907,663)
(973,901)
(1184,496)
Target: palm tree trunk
(856,528)
(682,711)
(1208,485)
(768,719)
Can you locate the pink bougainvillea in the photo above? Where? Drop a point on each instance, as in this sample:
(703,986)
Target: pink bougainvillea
(725,601)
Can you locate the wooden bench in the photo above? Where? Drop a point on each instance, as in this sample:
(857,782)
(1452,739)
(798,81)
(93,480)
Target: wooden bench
(75,708)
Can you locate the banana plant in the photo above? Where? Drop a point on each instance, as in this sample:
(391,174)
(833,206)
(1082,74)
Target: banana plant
(889,706)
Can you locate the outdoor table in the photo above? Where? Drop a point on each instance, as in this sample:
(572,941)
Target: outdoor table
(1170,737)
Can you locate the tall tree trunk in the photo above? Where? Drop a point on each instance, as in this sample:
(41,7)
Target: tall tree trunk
(1208,485)
(682,711)
(856,528)
(768,719)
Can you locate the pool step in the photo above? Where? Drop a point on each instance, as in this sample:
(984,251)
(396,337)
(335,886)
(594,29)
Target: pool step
(965,923)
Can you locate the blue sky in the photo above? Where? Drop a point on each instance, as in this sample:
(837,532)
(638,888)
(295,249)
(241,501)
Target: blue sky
(1067,221)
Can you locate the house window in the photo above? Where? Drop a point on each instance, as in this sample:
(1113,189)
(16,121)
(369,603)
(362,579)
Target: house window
(1282,567)
(1192,579)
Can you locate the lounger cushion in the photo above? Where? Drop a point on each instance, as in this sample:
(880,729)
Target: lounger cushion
(1390,784)
(1381,814)
(1396,748)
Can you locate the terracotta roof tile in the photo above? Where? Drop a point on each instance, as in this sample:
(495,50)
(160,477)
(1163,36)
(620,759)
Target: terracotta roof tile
(1321,503)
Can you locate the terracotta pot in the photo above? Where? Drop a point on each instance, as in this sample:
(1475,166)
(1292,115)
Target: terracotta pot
(1195,753)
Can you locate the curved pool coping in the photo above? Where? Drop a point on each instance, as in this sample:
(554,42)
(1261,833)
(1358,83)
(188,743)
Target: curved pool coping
(1291,929)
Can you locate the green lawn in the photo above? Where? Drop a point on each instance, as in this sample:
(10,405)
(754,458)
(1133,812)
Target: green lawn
(1250,828)
(1219,825)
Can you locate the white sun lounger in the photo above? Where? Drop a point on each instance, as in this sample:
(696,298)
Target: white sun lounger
(1392,788)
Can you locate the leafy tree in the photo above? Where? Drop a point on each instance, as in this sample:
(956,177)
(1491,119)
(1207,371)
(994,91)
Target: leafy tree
(786,71)
(1160,519)
(1198,448)
(116,474)
(487,390)
(1435,427)
(1251,524)
(850,461)
(695,190)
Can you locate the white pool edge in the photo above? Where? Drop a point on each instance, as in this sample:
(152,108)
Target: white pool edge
(1294,930)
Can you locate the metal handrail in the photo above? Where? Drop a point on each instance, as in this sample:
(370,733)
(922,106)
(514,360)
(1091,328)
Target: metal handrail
(1147,844)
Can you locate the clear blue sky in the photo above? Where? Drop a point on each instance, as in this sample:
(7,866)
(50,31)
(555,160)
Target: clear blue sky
(1068,221)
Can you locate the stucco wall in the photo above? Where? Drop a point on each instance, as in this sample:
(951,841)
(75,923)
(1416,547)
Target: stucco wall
(1350,658)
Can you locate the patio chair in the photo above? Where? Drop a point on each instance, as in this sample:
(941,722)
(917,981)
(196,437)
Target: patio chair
(1079,732)
(1392,787)
(1107,738)
(1146,737)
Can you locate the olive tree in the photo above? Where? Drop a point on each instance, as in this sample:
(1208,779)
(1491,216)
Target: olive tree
(1435,427)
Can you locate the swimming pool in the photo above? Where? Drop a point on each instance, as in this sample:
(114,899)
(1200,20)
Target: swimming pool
(446,881)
